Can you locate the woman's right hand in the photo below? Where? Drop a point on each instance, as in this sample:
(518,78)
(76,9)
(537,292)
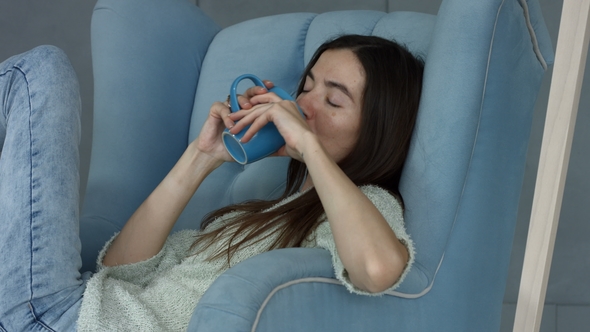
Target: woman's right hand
(209,140)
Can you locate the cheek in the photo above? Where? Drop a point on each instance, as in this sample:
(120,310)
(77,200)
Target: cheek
(351,126)
(353,133)
(344,130)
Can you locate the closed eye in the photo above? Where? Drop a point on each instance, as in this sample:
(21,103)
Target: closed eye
(331,103)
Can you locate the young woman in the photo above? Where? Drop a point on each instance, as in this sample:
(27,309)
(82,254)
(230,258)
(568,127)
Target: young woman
(359,96)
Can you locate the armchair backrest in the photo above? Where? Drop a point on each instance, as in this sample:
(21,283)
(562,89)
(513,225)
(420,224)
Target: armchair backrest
(234,51)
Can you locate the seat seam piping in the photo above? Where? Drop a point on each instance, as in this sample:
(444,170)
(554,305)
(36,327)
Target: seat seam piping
(324,280)
(533,35)
(474,143)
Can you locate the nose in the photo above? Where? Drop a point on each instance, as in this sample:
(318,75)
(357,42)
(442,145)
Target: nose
(305,103)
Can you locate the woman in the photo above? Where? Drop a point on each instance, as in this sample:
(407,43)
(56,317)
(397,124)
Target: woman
(359,96)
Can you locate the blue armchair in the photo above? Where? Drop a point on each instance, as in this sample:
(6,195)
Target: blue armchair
(160,64)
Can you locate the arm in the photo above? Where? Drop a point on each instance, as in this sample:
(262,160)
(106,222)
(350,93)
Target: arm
(369,249)
(145,233)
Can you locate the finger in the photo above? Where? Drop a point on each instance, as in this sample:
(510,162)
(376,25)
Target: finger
(244,102)
(253,91)
(258,123)
(247,117)
(256,120)
(222,111)
(258,90)
(270,97)
(237,116)
(227,121)
(268,84)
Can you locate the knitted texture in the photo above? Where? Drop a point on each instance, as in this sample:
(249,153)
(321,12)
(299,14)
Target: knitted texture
(392,211)
(160,294)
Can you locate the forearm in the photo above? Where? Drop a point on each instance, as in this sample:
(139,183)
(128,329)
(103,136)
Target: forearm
(145,233)
(369,249)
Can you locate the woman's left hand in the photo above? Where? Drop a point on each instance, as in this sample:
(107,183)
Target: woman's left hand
(283,113)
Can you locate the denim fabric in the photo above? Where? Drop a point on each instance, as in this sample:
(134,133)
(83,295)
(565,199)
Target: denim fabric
(41,288)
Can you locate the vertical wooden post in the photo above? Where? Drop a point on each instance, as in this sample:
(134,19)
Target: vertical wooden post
(562,108)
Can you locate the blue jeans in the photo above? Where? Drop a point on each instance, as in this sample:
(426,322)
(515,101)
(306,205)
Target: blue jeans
(41,287)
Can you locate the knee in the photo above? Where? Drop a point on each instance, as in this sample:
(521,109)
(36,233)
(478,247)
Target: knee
(52,57)
(49,53)
(49,69)
(50,78)
(49,62)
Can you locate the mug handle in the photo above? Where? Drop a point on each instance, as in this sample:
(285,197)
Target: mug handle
(233,95)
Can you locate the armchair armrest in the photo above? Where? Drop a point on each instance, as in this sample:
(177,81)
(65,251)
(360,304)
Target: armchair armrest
(293,289)
(234,300)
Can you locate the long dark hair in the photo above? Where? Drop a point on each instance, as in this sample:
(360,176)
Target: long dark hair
(393,84)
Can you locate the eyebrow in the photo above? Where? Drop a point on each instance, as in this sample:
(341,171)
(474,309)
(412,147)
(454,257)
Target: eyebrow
(333,84)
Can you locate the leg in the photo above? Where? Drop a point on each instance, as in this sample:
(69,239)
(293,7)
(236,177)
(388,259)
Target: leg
(41,287)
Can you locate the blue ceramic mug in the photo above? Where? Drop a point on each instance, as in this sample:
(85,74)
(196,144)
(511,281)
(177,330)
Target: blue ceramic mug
(265,142)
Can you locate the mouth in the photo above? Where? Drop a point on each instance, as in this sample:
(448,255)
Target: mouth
(301,111)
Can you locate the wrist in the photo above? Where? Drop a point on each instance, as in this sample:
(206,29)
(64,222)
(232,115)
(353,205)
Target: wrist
(201,160)
(309,145)
(193,167)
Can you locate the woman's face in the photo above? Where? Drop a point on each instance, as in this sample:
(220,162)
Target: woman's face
(331,101)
